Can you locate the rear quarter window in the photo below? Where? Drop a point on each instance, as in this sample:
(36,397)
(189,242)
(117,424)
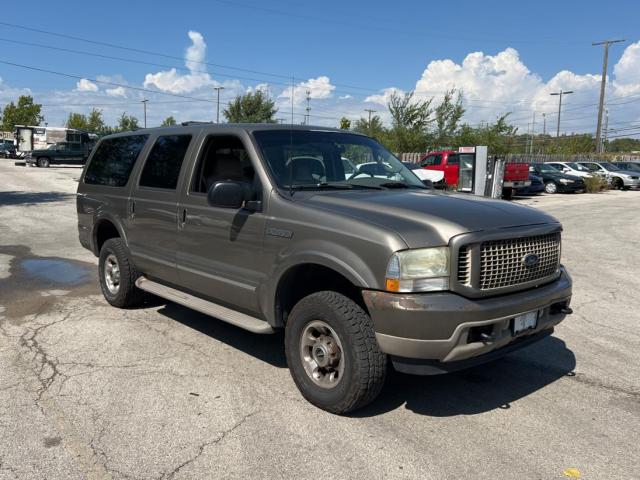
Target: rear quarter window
(113,160)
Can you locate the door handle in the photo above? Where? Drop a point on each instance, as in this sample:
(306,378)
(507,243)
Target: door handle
(132,209)
(183,217)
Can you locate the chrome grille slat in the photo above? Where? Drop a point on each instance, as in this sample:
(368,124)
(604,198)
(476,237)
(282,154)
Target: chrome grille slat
(464,266)
(501,261)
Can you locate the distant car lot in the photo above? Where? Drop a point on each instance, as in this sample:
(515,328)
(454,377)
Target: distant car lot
(163,392)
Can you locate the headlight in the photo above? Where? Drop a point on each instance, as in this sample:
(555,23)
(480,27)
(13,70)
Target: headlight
(419,270)
(564,181)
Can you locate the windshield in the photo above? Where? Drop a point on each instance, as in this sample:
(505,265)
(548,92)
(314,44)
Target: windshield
(547,169)
(609,166)
(577,166)
(51,146)
(310,159)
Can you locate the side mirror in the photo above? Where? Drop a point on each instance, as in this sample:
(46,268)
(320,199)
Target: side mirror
(228,194)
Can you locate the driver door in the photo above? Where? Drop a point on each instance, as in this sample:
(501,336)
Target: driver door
(219,253)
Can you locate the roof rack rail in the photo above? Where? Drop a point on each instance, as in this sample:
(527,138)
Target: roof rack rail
(194,122)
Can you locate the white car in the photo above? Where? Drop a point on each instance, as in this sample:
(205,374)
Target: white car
(572,168)
(434,176)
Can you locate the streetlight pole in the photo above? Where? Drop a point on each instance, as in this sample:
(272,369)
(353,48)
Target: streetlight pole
(217,89)
(560,93)
(603,85)
(144,102)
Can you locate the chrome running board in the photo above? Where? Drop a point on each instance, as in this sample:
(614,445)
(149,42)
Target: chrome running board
(225,314)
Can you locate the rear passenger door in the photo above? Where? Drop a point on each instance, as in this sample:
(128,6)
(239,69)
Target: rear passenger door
(220,250)
(153,208)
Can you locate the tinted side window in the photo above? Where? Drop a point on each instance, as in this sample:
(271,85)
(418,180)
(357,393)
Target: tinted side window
(113,160)
(428,161)
(162,168)
(223,158)
(453,159)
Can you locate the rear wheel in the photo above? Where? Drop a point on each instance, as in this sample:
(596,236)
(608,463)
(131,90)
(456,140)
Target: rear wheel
(43,162)
(551,187)
(118,275)
(332,352)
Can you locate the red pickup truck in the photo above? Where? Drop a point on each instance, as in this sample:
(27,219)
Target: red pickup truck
(516,175)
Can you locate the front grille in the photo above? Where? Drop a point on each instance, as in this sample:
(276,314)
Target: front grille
(464,266)
(502,261)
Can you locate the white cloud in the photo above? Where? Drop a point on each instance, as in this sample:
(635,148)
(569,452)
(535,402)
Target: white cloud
(345,97)
(116,92)
(174,82)
(384,97)
(318,88)
(85,85)
(493,85)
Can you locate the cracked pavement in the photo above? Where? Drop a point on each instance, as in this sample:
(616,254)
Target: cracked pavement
(89,391)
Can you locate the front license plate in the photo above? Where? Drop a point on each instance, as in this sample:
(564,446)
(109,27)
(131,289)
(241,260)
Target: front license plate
(525,321)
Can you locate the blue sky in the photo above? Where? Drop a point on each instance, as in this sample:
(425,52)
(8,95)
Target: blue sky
(335,49)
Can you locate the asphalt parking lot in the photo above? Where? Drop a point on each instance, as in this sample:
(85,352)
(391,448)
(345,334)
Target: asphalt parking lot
(162,392)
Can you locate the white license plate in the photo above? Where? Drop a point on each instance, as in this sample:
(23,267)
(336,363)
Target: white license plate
(525,321)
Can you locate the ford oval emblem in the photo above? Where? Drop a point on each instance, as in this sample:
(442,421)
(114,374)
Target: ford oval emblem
(530,260)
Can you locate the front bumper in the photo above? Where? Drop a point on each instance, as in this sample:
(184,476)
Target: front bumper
(447,327)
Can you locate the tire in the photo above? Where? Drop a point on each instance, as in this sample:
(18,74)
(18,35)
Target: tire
(43,162)
(118,287)
(347,329)
(551,187)
(617,184)
(507,193)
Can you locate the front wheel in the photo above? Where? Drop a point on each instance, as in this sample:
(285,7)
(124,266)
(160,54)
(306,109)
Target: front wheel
(332,353)
(551,187)
(43,162)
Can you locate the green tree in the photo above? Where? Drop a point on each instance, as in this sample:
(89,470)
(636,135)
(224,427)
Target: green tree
(373,128)
(77,120)
(447,117)
(168,121)
(95,122)
(91,123)
(252,107)
(345,123)
(126,123)
(25,112)
(410,121)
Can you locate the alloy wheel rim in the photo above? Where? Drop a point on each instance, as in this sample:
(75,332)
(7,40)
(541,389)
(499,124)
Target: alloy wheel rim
(321,354)
(112,274)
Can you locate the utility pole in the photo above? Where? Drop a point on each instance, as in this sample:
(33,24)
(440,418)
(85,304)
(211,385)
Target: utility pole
(144,102)
(370,112)
(560,93)
(217,89)
(603,84)
(606,131)
(533,131)
(308,109)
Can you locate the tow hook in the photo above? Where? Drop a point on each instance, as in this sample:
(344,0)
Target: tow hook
(486,338)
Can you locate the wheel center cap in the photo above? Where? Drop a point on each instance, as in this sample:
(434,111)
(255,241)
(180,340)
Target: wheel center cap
(320,355)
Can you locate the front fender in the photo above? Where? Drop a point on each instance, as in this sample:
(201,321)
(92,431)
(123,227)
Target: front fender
(326,253)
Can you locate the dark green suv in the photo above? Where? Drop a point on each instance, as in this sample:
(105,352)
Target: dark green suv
(64,152)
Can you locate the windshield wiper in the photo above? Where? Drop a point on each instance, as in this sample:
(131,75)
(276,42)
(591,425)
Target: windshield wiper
(399,185)
(332,185)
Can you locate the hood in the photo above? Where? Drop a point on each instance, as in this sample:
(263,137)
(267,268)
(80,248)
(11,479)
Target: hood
(426,218)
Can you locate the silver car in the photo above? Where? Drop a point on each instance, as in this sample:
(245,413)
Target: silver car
(620,179)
